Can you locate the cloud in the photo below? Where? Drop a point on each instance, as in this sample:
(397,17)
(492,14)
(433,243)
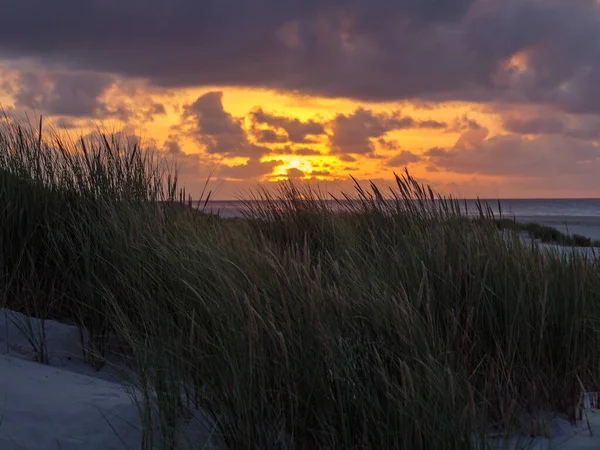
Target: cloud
(144,109)
(580,127)
(63,93)
(353,133)
(437,152)
(216,130)
(276,42)
(195,168)
(172,147)
(305,151)
(320,173)
(195,171)
(433,124)
(76,94)
(346,158)
(512,50)
(294,173)
(463,123)
(66,124)
(269,137)
(538,125)
(513,155)
(252,169)
(403,159)
(388,144)
(296,131)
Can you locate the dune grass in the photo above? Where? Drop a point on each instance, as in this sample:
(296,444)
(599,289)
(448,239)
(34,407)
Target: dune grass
(396,323)
(547,234)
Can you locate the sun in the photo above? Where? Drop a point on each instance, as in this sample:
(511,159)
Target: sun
(292,162)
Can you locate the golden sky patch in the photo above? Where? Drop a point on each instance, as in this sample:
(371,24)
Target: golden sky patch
(239,102)
(157,129)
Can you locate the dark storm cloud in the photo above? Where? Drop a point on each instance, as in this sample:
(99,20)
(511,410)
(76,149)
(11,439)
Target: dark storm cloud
(217,130)
(383,50)
(558,39)
(172,29)
(296,130)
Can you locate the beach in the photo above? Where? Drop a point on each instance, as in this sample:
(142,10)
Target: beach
(397,324)
(66,404)
(588,226)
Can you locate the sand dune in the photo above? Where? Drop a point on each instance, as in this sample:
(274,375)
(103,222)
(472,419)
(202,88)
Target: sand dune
(67,404)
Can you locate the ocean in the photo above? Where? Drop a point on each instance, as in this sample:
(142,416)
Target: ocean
(580,216)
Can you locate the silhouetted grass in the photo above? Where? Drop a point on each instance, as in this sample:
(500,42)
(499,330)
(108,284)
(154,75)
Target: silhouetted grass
(395,323)
(57,199)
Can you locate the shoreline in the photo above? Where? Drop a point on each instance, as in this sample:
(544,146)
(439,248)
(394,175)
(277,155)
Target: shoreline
(588,226)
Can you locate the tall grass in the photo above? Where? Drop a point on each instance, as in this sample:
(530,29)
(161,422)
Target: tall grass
(397,323)
(56,199)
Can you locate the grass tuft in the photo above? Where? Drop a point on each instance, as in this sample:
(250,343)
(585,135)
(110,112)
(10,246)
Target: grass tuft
(390,320)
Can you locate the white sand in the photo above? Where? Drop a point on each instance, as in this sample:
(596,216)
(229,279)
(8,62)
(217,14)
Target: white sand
(563,435)
(43,407)
(67,404)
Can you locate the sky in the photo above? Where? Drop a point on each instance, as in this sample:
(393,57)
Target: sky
(489,98)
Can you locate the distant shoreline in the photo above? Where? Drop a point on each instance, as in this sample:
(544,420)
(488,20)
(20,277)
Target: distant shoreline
(588,226)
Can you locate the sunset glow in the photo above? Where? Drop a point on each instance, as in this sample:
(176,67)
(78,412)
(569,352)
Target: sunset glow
(472,97)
